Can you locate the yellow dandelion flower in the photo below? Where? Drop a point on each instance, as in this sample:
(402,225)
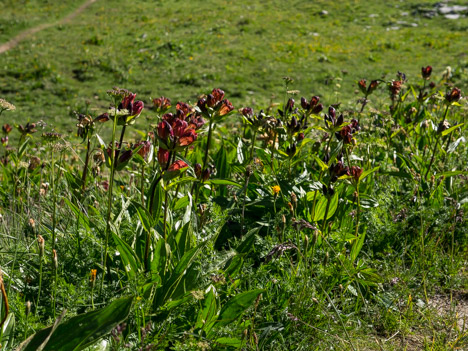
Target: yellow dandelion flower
(276,189)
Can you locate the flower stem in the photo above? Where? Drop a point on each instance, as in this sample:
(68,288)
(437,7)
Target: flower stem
(434,150)
(109,200)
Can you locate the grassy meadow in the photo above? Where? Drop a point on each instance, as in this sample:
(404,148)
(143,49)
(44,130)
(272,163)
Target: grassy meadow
(303,185)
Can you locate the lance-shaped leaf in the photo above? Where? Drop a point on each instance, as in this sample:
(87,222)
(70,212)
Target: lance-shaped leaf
(81,331)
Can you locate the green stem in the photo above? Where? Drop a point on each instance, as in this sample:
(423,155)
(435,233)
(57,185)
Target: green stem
(434,150)
(254,138)
(109,200)
(85,169)
(142,186)
(358,210)
(210,131)
(40,284)
(326,215)
(54,201)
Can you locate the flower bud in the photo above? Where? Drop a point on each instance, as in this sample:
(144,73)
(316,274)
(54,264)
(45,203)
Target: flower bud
(6,128)
(28,308)
(41,243)
(54,258)
(453,96)
(206,174)
(198,169)
(426,72)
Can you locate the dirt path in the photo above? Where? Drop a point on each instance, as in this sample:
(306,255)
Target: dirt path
(29,32)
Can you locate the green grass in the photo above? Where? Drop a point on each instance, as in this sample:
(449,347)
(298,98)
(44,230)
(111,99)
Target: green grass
(180,49)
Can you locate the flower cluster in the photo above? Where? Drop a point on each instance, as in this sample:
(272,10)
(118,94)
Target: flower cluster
(176,131)
(214,104)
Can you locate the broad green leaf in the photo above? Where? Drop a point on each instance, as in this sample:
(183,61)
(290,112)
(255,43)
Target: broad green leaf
(321,207)
(399,174)
(208,311)
(7,331)
(366,173)
(81,331)
(222,182)
(248,241)
(222,167)
(129,259)
(23,148)
(161,254)
(183,239)
(171,283)
(156,202)
(451,129)
(357,246)
(84,219)
(144,215)
(322,164)
(232,342)
(240,153)
(237,305)
(451,174)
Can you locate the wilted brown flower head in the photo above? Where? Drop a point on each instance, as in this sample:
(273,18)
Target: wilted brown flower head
(395,87)
(41,243)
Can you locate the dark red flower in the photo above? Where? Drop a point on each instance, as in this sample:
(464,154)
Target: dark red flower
(184,108)
(345,134)
(177,165)
(198,169)
(164,130)
(206,174)
(102,118)
(6,128)
(355,172)
(196,122)
(225,108)
(372,86)
(426,72)
(144,149)
(362,85)
(162,103)
(453,96)
(179,127)
(218,95)
(187,138)
(163,156)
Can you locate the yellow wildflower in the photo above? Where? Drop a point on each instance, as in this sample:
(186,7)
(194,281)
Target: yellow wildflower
(276,189)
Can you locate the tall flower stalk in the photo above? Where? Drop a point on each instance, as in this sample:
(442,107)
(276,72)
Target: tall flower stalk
(124,113)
